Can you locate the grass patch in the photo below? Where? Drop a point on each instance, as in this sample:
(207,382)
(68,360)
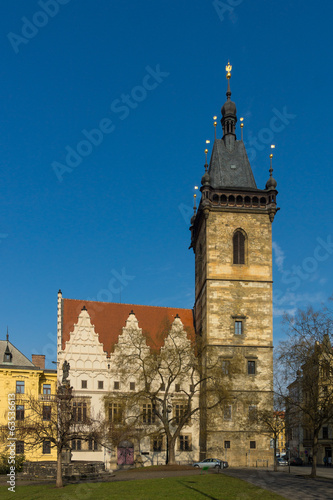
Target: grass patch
(200,487)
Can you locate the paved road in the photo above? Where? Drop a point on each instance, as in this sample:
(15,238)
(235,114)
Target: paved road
(294,486)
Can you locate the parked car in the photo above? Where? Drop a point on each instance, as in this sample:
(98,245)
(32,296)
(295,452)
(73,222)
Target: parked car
(282,461)
(296,461)
(211,463)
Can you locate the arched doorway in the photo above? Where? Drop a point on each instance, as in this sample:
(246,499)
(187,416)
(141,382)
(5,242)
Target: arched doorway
(125,453)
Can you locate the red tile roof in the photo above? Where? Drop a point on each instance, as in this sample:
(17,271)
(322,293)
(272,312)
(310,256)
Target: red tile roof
(109,318)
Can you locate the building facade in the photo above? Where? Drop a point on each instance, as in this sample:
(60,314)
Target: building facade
(104,344)
(309,415)
(20,380)
(232,241)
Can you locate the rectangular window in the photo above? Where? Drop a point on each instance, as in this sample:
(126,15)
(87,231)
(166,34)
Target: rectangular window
(162,388)
(19,447)
(116,386)
(148,415)
(227,412)
(19,387)
(238,327)
(252,413)
(177,387)
(225,366)
(252,444)
(251,367)
(79,411)
(92,445)
(115,413)
(100,384)
(46,412)
(76,444)
(157,443)
(326,370)
(46,447)
(83,384)
(179,410)
(227,444)
(185,443)
(19,412)
(325,432)
(192,388)
(132,386)
(46,388)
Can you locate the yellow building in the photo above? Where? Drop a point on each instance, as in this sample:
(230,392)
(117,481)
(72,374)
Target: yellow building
(281,437)
(21,379)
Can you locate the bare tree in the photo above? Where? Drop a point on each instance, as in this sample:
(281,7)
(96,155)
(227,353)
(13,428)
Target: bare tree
(55,422)
(272,424)
(169,382)
(307,361)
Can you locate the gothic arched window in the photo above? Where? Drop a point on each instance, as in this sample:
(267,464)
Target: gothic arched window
(239,247)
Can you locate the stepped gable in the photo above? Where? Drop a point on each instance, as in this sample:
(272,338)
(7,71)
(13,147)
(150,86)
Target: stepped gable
(109,318)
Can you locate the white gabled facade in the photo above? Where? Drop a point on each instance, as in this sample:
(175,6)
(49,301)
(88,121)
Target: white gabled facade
(103,383)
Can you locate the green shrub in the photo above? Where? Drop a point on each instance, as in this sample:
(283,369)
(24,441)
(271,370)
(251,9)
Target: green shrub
(5,466)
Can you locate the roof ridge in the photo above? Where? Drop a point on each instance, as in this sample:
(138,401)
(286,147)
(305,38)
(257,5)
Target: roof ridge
(125,304)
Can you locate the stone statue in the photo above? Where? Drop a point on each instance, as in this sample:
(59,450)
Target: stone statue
(65,372)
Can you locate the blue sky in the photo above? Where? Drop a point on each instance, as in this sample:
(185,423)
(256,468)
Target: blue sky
(112,223)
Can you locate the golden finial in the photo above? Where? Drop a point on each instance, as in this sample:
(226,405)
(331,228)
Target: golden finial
(194,203)
(241,126)
(206,153)
(215,123)
(271,157)
(228,69)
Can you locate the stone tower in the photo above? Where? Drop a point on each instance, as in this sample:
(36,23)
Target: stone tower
(232,241)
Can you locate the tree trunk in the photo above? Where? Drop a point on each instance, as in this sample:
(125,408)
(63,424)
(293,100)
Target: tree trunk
(314,455)
(172,456)
(59,483)
(275,460)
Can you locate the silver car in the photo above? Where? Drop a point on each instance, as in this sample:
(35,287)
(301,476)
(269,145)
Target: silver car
(210,463)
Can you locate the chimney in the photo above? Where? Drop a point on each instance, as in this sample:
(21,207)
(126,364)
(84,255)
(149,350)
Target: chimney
(39,360)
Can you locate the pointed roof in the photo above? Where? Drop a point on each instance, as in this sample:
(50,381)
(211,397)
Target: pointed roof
(229,164)
(18,359)
(109,319)
(230,169)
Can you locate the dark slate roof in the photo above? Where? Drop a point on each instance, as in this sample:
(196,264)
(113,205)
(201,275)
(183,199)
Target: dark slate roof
(230,169)
(18,359)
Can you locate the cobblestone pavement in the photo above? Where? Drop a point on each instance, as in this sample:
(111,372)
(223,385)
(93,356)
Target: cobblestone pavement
(296,485)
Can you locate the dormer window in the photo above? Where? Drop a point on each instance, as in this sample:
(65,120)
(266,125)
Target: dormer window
(7,357)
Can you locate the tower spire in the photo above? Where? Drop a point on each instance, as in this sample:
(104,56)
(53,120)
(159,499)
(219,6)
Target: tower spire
(229,117)
(271,183)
